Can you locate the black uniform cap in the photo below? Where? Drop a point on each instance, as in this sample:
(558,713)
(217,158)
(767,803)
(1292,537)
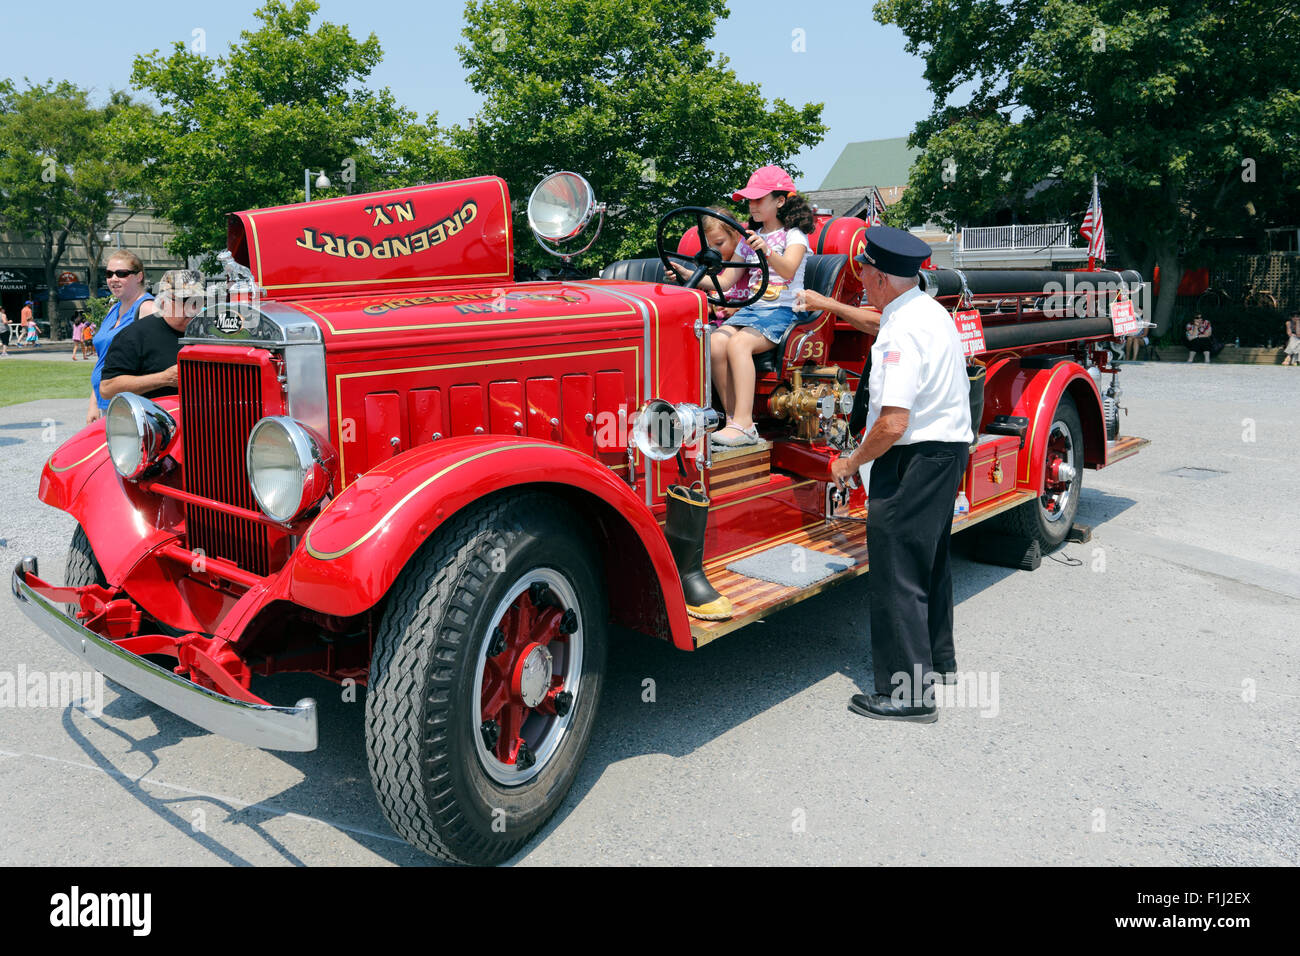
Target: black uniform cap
(894,251)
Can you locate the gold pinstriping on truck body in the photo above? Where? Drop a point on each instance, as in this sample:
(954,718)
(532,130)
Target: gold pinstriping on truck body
(331,555)
(56,468)
(338,380)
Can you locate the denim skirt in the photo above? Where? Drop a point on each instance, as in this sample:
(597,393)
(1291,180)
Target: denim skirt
(771,323)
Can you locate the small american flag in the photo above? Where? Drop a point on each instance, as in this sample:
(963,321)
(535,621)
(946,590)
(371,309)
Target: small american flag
(873,214)
(891,358)
(1092,227)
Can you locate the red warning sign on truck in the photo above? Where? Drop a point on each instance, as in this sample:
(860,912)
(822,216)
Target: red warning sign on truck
(1123,319)
(971,329)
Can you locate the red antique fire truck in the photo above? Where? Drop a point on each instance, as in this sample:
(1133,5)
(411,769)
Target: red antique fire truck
(391,463)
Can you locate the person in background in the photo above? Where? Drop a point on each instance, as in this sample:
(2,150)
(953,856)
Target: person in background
(1292,349)
(1200,337)
(88,340)
(78,327)
(142,359)
(126,285)
(1133,344)
(33,337)
(24,319)
(4,334)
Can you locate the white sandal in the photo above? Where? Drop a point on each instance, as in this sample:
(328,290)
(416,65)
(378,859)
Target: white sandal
(713,436)
(748,436)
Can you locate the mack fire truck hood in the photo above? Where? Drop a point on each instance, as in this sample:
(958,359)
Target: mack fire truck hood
(424,237)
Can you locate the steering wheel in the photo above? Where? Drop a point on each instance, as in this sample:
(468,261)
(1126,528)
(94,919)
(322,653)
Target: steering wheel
(708,262)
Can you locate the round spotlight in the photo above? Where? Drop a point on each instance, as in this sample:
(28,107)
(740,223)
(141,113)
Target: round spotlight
(561,206)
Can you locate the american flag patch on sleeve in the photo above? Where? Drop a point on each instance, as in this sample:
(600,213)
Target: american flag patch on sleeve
(891,358)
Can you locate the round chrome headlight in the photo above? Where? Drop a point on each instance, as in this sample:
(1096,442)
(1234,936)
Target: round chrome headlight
(139,433)
(660,429)
(289,467)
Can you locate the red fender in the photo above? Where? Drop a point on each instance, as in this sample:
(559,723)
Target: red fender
(71,465)
(1034,393)
(80,479)
(358,545)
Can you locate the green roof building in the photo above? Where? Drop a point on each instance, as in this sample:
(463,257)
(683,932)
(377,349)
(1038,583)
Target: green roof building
(877,162)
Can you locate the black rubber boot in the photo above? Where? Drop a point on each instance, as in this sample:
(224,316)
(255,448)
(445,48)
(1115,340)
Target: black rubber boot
(688,516)
(975,373)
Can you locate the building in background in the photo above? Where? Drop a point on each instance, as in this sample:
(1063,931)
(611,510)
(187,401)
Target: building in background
(880,168)
(877,171)
(22,272)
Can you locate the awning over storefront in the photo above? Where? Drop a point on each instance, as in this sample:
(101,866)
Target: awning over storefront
(74,291)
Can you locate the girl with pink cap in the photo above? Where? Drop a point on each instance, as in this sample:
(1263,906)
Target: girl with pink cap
(779,221)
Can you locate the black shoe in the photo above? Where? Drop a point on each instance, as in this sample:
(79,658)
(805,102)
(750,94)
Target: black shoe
(946,673)
(882,707)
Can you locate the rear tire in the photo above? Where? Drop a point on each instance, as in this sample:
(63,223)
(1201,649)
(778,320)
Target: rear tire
(1048,519)
(500,577)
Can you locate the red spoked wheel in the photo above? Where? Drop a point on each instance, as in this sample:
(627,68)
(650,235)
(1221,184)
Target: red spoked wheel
(529,673)
(486,677)
(1049,518)
(1060,472)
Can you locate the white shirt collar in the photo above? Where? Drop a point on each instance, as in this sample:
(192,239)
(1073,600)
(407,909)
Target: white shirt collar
(888,312)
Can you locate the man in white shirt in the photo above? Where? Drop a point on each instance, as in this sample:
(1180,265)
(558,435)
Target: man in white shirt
(918,437)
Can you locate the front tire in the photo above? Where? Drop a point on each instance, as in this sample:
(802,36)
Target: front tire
(485,678)
(1048,519)
(82,567)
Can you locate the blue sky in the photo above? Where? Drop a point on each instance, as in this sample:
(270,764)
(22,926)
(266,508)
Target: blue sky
(871,88)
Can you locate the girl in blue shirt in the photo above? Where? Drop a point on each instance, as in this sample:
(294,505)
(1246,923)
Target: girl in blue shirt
(126,284)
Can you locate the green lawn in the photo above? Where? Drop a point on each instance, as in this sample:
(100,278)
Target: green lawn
(26,380)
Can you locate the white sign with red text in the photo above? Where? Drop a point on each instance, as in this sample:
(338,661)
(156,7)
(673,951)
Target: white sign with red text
(971,329)
(1123,320)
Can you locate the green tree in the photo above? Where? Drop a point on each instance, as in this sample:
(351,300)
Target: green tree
(57,182)
(237,132)
(1188,112)
(96,309)
(110,193)
(628,95)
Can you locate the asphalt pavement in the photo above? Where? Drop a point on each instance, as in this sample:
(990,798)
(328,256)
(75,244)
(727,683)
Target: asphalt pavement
(1133,701)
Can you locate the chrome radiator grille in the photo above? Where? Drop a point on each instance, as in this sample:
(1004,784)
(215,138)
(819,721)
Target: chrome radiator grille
(220,404)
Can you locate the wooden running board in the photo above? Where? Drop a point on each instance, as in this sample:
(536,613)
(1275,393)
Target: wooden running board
(754,598)
(1123,447)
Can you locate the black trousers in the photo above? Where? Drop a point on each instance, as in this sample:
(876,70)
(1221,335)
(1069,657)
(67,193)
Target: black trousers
(909,521)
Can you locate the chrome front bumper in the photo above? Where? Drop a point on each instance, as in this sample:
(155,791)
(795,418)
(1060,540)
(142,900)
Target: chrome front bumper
(259,725)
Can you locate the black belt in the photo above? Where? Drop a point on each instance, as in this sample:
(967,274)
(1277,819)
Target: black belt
(927,447)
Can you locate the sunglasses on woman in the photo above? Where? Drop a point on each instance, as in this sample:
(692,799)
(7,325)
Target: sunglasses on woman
(121,273)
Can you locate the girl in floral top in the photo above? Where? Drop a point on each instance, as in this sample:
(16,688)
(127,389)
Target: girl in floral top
(780,221)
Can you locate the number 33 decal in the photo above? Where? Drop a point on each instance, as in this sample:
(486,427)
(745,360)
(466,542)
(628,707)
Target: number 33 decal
(812,351)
